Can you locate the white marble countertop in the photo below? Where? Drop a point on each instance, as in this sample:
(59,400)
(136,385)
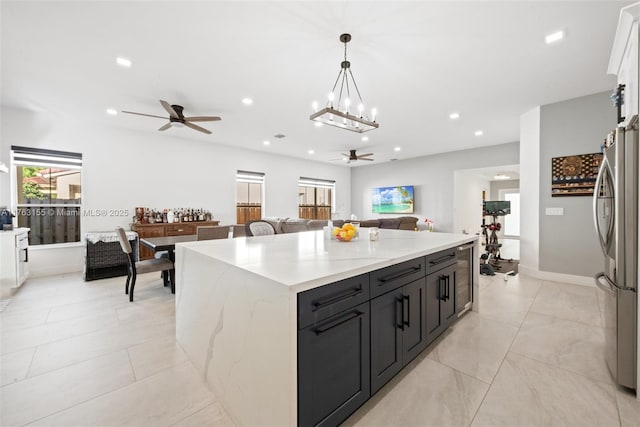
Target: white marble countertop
(14,232)
(306,260)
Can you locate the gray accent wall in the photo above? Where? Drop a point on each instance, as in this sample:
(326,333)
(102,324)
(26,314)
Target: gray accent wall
(568,243)
(432,178)
(496,186)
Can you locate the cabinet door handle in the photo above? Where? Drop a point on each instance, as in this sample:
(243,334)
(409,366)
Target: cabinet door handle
(620,92)
(353,315)
(442,259)
(399,274)
(442,295)
(26,254)
(400,325)
(317,305)
(408,312)
(447,288)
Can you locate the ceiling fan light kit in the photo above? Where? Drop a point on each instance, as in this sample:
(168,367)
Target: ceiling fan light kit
(177,119)
(341,114)
(352,156)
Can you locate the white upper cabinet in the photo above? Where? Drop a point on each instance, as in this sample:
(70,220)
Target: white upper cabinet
(624,60)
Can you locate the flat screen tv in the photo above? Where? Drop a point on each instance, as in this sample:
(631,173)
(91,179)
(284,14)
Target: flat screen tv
(497,208)
(392,199)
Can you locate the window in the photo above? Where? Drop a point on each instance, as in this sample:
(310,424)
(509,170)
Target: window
(315,198)
(48,194)
(249,196)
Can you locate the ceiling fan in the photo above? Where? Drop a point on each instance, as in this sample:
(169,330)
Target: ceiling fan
(352,156)
(177,119)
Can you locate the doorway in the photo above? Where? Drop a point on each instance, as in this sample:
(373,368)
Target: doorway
(498,183)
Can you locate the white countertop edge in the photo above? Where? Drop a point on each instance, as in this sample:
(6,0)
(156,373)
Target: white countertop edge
(16,231)
(344,273)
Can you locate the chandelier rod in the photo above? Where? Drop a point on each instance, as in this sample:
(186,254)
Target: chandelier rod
(356,86)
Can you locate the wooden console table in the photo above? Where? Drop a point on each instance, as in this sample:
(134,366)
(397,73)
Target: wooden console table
(166,229)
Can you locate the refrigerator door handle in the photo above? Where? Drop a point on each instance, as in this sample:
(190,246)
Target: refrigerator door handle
(596,192)
(609,287)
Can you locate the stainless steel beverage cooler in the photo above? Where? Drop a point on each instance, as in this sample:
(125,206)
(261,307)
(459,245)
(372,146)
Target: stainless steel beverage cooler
(464,278)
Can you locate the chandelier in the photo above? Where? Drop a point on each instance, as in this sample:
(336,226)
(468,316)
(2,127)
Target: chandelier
(342,112)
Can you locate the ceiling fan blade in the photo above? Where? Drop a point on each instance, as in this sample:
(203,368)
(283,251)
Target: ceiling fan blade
(165,127)
(342,154)
(141,114)
(369,160)
(169,109)
(196,127)
(365,155)
(203,119)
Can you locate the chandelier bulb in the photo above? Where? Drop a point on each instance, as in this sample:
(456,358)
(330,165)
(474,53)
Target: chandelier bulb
(314,106)
(373,114)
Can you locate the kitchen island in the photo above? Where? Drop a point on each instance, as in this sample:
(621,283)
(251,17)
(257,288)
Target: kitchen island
(238,308)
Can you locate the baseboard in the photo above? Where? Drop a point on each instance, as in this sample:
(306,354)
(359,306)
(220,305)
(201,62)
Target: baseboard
(556,277)
(54,271)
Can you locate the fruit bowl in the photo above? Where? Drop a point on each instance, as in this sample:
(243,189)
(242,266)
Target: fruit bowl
(346,233)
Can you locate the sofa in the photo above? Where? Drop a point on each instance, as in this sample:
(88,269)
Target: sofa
(399,223)
(293,225)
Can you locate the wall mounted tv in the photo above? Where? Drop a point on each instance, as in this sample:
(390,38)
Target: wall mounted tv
(497,208)
(392,199)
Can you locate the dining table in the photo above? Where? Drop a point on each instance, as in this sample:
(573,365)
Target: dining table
(166,243)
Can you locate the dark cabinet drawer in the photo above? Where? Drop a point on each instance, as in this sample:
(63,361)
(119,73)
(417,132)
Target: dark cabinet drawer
(318,304)
(389,278)
(440,260)
(333,368)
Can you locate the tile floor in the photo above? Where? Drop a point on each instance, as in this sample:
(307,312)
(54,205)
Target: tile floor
(78,354)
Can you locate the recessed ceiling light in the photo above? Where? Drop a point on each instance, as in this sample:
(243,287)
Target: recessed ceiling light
(247,101)
(123,62)
(266,142)
(454,116)
(311,152)
(318,124)
(501,176)
(397,149)
(554,37)
(112,112)
(479,133)
(365,138)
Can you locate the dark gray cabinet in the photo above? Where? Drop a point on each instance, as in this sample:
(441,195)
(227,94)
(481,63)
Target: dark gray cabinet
(333,368)
(398,330)
(333,351)
(440,301)
(356,334)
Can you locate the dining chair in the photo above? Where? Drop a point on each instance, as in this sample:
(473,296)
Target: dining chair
(146,266)
(211,232)
(239,230)
(259,228)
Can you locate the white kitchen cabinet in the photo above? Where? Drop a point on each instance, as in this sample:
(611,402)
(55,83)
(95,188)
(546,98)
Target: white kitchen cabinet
(14,259)
(624,60)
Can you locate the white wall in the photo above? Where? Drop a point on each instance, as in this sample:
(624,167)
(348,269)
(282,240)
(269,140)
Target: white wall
(124,169)
(467,201)
(432,177)
(529,190)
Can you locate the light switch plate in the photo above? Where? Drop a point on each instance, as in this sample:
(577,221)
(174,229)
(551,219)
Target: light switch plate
(554,211)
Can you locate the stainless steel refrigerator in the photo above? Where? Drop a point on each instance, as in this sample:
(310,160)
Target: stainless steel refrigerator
(615,208)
